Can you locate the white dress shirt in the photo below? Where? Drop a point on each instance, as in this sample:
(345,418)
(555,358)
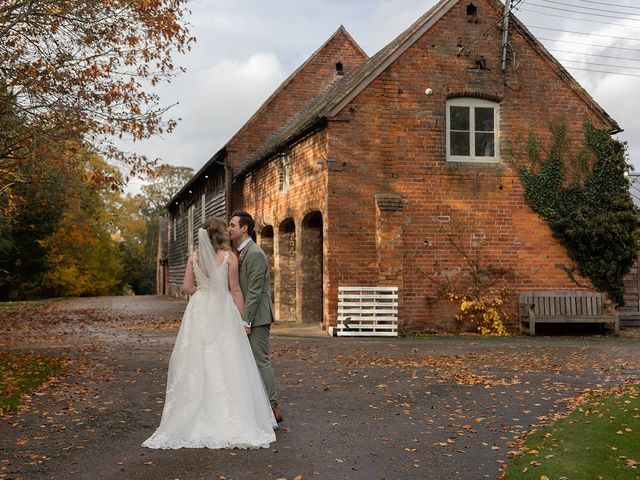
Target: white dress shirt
(244,244)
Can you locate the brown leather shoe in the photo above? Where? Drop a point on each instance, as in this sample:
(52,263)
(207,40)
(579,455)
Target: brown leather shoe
(277,414)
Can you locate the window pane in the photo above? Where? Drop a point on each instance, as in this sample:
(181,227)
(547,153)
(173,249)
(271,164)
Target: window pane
(484,145)
(484,119)
(459,118)
(459,143)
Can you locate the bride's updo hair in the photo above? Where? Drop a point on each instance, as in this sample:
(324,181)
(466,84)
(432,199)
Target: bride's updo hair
(216,227)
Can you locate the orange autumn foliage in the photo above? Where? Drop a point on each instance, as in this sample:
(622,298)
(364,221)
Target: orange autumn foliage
(81,69)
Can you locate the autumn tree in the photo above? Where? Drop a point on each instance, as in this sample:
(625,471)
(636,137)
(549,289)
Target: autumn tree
(60,241)
(82,254)
(138,222)
(13,148)
(138,273)
(23,258)
(80,69)
(164,182)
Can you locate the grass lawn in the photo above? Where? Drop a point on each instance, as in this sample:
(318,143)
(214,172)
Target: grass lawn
(21,374)
(600,439)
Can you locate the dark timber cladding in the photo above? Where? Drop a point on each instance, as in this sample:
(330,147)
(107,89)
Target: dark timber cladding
(201,198)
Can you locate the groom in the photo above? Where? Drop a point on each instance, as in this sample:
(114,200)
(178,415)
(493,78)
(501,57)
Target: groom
(258,311)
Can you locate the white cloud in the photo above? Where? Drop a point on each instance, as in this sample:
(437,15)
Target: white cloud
(215,103)
(246,48)
(618,95)
(225,95)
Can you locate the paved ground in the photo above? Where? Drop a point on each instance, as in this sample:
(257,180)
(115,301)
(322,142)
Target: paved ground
(421,408)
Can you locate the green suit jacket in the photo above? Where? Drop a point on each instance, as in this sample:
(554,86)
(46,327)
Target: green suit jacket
(254,282)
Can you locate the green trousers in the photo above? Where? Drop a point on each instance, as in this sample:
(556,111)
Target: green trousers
(259,341)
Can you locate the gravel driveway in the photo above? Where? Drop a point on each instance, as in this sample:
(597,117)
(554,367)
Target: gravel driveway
(417,408)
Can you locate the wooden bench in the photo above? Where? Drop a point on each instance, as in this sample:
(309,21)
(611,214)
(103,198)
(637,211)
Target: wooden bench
(564,307)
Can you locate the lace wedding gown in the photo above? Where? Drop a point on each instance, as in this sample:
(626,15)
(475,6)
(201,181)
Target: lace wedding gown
(215,397)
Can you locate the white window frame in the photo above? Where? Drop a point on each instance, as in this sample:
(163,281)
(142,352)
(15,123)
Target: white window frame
(472,103)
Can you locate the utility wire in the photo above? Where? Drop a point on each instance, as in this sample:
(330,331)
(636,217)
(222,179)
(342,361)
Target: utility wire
(588,44)
(595,55)
(633,195)
(604,71)
(608,4)
(633,178)
(574,18)
(584,13)
(585,8)
(517,6)
(585,33)
(597,64)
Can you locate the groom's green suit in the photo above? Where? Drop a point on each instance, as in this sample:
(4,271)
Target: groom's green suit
(258,311)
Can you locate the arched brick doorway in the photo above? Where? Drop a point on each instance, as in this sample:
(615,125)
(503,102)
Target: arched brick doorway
(266,242)
(286,285)
(311,268)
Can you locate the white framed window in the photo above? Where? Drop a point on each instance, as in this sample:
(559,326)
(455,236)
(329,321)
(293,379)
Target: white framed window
(285,173)
(472,130)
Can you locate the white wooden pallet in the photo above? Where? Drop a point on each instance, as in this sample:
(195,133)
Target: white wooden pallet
(367,312)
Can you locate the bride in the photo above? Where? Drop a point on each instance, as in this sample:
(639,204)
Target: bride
(215,397)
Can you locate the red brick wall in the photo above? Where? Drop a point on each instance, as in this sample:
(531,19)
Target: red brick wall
(318,73)
(259,192)
(395,143)
(260,195)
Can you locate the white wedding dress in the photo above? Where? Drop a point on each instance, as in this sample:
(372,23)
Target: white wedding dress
(215,397)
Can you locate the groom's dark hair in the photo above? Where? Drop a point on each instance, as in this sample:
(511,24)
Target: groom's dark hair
(246,219)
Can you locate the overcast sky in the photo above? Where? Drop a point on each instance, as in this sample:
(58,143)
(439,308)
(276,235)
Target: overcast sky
(246,48)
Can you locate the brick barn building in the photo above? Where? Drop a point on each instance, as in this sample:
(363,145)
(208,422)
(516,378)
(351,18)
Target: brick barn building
(385,170)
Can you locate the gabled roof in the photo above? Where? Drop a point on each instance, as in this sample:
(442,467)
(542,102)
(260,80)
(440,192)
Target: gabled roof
(283,85)
(338,95)
(218,157)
